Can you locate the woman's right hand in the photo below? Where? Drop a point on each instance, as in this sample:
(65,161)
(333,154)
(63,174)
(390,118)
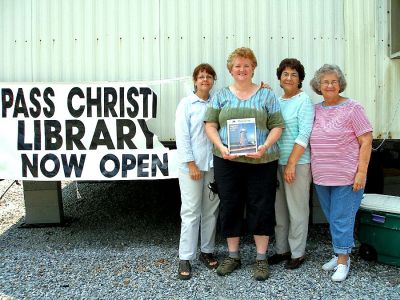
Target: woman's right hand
(225,153)
(194,171)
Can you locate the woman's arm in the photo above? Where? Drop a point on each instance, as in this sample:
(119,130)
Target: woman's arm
(272,137)
(305,121)
(211,129)
(183,142)
(365,142)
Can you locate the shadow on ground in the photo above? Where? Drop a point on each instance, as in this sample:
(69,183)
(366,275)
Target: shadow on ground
(110,214)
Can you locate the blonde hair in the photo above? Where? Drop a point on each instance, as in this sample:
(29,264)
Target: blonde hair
(241,52)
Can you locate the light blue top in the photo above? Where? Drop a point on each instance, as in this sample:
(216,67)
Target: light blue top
(191,140)
(298,113)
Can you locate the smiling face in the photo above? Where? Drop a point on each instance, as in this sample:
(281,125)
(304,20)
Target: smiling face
(290,80)
(242,69)
(329,85)
(204,82)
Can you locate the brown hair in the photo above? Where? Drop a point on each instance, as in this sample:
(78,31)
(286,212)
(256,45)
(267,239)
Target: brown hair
(294,64)
(204,67)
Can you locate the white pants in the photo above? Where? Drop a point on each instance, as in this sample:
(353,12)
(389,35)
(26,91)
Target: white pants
(292,212)
(198,211)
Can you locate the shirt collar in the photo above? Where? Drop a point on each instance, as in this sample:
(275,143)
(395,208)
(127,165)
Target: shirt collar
(196,98)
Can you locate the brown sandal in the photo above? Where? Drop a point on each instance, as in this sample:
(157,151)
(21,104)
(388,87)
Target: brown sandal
(209,260)
(184,267)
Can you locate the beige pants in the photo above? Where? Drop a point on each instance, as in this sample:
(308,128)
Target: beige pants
(292,212)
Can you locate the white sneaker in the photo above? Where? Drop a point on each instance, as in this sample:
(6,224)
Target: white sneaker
(330,265)
(341,271)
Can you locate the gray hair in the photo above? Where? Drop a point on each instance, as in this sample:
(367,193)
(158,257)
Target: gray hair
(327,69)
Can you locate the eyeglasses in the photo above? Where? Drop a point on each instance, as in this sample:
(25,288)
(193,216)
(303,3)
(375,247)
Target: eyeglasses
(293,75)
(205,77)
(326,83)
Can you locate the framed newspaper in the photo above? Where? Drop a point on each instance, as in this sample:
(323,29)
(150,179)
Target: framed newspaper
(242,138)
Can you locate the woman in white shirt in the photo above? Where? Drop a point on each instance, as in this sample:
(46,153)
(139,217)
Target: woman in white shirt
(199,210)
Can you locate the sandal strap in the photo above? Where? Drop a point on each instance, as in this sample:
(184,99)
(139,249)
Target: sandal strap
(209,260)
(184,266)
(208,256)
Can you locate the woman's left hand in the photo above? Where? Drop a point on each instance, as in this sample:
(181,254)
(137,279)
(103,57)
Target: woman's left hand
(359,181)
(265,86)
(260,151)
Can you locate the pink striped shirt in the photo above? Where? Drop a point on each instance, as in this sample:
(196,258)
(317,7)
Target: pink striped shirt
(334,145)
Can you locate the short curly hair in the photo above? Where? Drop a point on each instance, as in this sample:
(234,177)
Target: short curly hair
(294,64)
(241,52)
(328,69)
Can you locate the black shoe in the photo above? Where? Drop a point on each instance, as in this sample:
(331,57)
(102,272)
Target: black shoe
(295,262)
(184,267)
(209,260)
(277,258)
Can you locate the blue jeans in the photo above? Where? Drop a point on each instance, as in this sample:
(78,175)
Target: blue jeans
(340,205)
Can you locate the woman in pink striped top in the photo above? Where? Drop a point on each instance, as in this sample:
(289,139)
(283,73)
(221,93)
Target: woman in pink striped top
(340,142)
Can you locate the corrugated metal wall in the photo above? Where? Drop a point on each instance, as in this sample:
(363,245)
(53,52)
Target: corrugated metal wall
(130,40)
(373,78)
(387,104)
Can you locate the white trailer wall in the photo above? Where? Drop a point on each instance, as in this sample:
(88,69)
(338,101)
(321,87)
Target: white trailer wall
(131,40)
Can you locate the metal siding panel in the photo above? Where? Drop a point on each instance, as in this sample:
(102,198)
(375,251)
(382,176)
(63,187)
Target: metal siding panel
(246,23)
(387,104)
(95,40)
(373,78)
(101,40)
(360,51)
(16,40)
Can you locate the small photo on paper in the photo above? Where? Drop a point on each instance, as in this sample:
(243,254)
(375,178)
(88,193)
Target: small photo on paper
(242,138)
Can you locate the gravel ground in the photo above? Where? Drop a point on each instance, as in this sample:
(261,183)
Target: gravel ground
(121,243)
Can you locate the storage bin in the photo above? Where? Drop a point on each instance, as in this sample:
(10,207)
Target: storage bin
(379,228)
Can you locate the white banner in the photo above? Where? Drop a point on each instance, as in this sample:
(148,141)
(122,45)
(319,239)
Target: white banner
(96,131)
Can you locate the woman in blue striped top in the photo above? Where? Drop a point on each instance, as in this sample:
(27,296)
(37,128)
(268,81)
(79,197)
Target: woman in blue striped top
(294,174)
(248,180)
